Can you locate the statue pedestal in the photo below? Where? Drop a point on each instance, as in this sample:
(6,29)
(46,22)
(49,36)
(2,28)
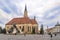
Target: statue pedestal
(7,33)
(21,32)
(14,31)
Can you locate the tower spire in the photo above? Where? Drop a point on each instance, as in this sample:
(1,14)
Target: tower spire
(57,22)
(34,17)
(47,27)
(25,12)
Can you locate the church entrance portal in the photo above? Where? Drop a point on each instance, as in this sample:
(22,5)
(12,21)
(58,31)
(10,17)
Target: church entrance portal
(33,30)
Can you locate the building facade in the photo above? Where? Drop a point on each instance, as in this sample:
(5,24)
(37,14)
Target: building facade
(22,25)
(55,29)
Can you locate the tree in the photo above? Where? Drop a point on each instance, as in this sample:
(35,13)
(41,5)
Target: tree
(41,29)
(3,30)
(0,29)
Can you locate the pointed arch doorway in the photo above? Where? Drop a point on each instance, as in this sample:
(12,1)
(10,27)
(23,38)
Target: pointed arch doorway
(33,30)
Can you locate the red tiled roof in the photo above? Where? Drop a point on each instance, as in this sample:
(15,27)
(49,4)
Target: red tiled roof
(33,21)
(49,29)
(21,21)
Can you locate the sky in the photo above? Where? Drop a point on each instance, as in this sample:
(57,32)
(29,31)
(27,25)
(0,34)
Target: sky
(47,12)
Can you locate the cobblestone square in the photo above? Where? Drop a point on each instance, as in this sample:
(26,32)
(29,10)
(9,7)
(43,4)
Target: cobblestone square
(28,37)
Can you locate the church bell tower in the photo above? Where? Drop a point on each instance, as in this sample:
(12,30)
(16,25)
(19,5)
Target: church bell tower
(25,12)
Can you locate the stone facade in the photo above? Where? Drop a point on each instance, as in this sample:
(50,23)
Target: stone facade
(55,29)
(27,28)
(23,25)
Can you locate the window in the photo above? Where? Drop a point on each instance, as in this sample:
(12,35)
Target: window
(20,27)
(33,30)
(7,27)
(29,28)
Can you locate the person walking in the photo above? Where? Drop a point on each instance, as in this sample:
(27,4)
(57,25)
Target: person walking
(51,36)
(55,34)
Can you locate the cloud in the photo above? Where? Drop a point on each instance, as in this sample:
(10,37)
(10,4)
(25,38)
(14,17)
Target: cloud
(46,11)
(5,17)
(40,6)
(50,18)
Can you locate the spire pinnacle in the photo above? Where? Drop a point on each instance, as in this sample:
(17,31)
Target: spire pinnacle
(34,17)
(25,8)
(25,12)
(57,22)
(47,27)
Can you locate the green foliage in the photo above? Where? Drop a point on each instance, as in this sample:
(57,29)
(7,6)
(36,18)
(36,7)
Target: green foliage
(0,29)
(4,31)
(41,30)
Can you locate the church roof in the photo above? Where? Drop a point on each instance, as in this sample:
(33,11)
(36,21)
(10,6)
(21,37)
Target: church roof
(21,21)
(57,25)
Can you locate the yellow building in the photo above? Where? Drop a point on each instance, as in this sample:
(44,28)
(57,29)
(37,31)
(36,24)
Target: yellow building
(22,25)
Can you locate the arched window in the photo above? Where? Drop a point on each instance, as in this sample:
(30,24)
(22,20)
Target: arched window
(20,27)
(7,27)
(28,28)
(33,30)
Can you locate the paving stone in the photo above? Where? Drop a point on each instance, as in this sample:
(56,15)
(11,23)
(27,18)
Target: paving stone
(28,37)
